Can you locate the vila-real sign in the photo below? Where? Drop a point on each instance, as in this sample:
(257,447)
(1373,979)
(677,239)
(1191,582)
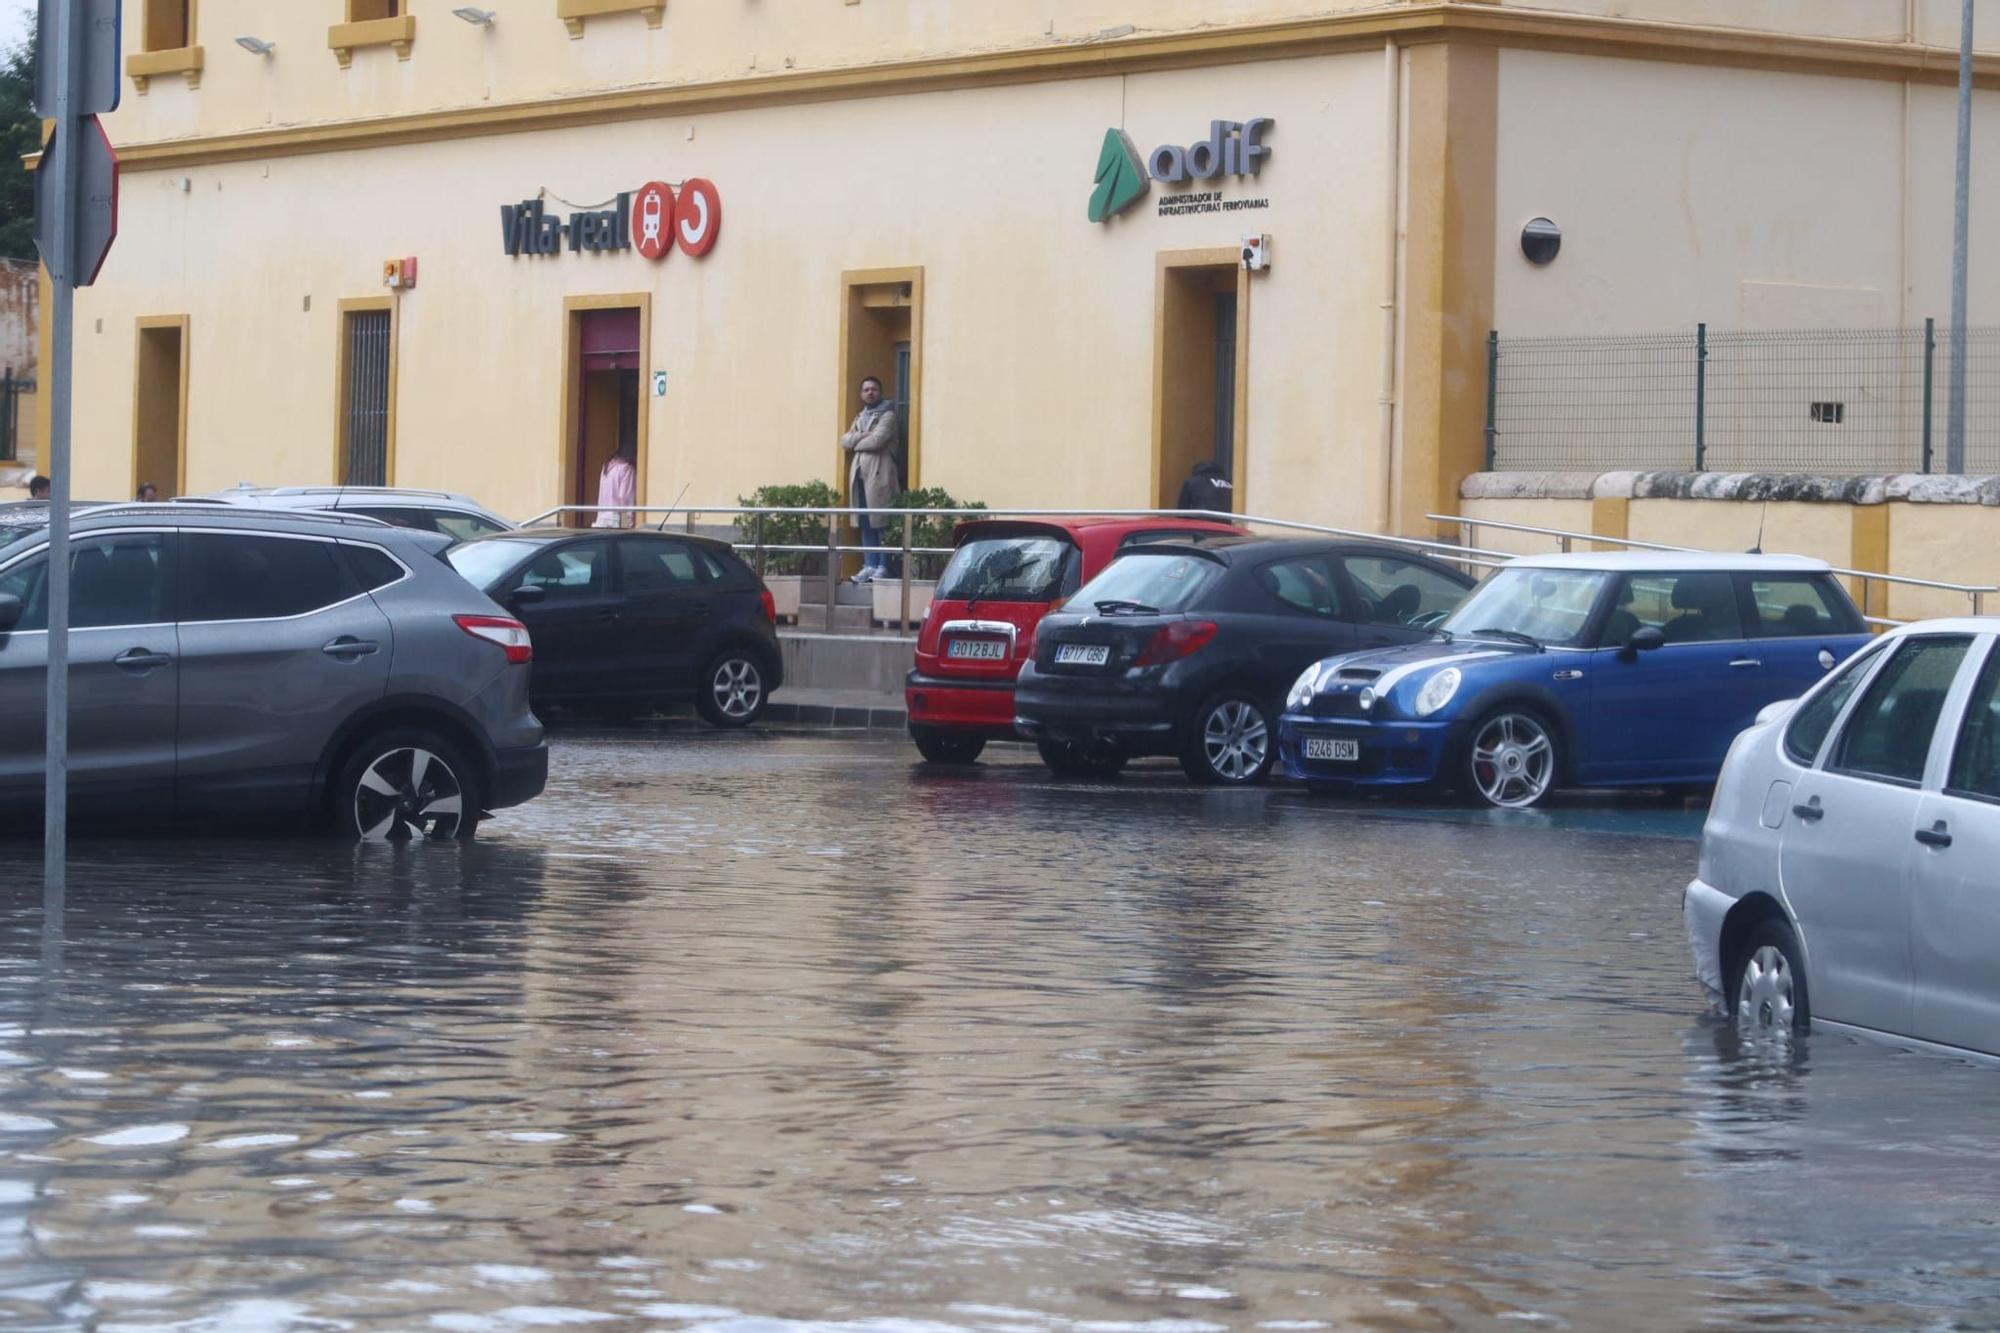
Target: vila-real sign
(653,220)
(1233,148)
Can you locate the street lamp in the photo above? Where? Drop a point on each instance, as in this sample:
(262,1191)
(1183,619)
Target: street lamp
(256,46)
(474,14)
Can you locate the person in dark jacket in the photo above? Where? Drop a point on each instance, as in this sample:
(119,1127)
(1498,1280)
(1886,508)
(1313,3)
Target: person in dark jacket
(1206,488)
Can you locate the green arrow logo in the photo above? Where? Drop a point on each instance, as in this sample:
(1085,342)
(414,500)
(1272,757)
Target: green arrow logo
(1121,177)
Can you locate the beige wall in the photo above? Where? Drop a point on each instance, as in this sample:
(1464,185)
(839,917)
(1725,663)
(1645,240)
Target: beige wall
(1746,198)
(1931,21)
(1949,543)
(1038,358)
(527,52)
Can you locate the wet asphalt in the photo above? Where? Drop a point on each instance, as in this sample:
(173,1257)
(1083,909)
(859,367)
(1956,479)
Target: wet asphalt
(763,1031)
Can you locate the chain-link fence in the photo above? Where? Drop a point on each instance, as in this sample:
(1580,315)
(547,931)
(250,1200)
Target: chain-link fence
(1829,401)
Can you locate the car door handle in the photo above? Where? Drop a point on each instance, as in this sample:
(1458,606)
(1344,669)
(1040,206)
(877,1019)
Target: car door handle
(1812,812)
(349,646)
(1743,662)
(1937,835)
(140,659)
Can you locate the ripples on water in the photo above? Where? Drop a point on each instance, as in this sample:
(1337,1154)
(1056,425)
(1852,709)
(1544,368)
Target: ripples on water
(732,1032)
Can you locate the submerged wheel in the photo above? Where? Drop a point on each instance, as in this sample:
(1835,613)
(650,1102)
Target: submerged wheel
(940,745)
(1066,759)
(1767,996)
(1229,742)
(731,691)
(406,784)
(1511,762)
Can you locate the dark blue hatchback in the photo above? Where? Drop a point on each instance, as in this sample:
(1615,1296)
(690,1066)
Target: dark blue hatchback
(1634,669)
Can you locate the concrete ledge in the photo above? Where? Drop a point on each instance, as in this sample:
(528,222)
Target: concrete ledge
(870,662)
(1748,487)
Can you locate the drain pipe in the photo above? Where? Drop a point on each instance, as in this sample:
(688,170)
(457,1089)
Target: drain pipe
(1392,249)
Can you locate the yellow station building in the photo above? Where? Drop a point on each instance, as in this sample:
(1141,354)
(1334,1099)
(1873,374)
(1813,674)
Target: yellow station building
(913,189)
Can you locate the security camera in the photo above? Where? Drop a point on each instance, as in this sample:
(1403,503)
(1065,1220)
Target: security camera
(1256,253)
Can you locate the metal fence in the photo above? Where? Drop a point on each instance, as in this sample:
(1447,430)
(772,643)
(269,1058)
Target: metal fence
(1843,402)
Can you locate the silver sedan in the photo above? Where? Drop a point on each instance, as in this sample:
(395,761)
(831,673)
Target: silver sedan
(1850,868)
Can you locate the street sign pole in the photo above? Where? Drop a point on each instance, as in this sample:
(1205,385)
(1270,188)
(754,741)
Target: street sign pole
(1954,437)
(62,271)
(76,210)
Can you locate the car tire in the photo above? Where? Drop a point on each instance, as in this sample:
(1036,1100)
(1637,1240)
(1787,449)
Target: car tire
(1512,759)
(1230,742)
(405,783)
(730,692)
(1066,759)
(1767,986)
(941,745)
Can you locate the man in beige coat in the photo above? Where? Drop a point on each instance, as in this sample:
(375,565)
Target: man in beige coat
(872,482)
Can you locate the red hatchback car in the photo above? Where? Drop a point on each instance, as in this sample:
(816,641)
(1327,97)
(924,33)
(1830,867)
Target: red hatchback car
(1004,576)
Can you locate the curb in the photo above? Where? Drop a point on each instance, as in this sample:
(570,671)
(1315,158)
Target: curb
(836,715)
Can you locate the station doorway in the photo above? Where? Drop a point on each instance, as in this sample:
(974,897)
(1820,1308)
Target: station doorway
(159,405)
(1200,369)
(603,403)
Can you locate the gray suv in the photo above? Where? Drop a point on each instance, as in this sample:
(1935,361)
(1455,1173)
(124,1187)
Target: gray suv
(231,664)
(456,516)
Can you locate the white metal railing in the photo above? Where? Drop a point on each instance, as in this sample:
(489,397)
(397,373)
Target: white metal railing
(1565,540)
(834,548)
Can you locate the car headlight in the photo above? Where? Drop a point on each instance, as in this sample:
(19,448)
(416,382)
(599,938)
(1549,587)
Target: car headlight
(1437,691)
(1303,689)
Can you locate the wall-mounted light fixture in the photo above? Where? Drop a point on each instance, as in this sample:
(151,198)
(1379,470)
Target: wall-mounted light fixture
(256,46)
(1541,241)
(474,14)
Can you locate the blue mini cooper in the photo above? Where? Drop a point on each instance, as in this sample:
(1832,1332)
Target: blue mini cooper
(1631,669)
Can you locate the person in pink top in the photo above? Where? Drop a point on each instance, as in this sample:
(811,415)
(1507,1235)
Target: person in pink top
(618,484)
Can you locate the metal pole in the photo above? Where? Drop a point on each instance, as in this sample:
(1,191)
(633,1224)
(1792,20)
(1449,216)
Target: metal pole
(904,580)
(68,50)
(1492,395)
(1930,375)
(760,546)
(1954,439)
(1700,397)
(832,566)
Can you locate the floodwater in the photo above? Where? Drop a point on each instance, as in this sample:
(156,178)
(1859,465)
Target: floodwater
(760,1032)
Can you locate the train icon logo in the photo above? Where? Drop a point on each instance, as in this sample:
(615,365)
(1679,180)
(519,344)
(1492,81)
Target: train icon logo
(653,220)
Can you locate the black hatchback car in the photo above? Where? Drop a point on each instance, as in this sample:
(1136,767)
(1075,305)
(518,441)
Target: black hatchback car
(625,620)
(1187,648)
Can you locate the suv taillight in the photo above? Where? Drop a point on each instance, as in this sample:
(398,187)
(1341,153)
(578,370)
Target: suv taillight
(770,604)
(1173,642)
(510,635)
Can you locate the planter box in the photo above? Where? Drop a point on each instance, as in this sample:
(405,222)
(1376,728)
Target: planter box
(889,599)
(789,591)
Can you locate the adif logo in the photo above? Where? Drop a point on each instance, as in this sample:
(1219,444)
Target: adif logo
(1233,148)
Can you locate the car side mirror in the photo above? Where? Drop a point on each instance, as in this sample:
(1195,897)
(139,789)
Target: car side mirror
(527,594)
(10,611)
(1644,640)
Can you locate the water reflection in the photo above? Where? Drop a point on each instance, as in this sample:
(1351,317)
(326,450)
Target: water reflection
(740,1029)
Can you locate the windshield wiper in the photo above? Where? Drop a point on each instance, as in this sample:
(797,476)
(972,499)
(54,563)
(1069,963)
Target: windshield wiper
(1112,606)
(1511,635)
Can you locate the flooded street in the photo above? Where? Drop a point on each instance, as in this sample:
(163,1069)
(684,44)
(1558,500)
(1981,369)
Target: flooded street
(759,1031)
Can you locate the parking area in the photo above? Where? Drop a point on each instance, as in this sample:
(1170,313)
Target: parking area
(763,1030)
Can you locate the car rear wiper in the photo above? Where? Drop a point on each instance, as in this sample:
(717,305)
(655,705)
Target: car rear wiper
(1511,635)
(1112,606)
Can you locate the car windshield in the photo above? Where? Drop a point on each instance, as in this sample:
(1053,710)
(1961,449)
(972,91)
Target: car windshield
(1548,605)
(1141,582)
(1005,569)
(482,563)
